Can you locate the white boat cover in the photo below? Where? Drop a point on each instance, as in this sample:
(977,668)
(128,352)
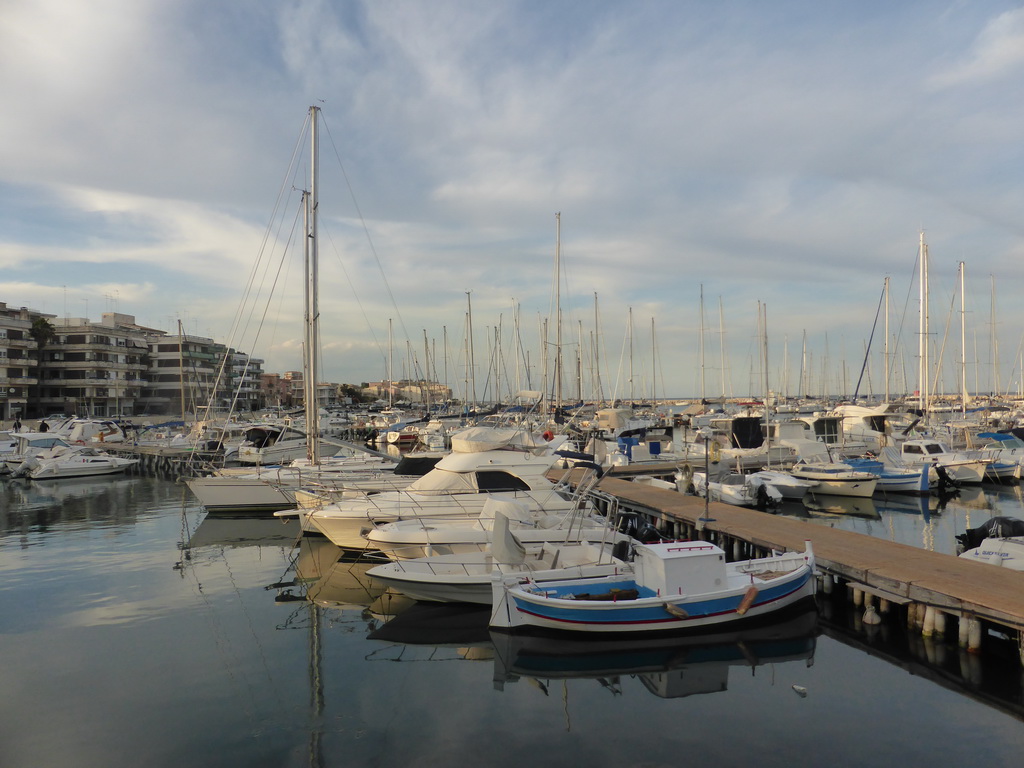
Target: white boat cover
(505,547)
(477,439)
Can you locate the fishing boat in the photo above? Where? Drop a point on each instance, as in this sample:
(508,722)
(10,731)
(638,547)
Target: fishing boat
(895,479)
(836,479)
(669,587)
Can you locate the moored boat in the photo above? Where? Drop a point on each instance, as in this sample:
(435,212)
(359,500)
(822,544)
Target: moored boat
(670,587)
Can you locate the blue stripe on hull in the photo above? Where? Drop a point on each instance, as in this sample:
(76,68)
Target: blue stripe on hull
(654,616)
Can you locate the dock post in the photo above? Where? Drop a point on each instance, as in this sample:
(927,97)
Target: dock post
(973,634)
(928,626)
(871,616)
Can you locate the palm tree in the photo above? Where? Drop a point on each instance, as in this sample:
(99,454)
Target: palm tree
(42,332)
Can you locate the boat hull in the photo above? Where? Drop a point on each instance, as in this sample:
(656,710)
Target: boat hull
(518,605)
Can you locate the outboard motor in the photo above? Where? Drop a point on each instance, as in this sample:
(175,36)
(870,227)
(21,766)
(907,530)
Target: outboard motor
(997,528)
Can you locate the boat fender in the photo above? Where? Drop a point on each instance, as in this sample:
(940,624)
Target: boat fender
(548,436)
(676,611)
(715,451)
(748,600)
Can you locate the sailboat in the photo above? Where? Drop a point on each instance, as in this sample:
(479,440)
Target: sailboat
(231,492)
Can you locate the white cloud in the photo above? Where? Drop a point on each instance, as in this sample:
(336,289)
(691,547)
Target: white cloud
(998,51)
(770,153)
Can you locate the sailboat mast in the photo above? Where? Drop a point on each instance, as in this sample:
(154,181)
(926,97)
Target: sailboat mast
(887,340)
(922,350)
(558,310)
(700,339)
(312,372)
(963,342)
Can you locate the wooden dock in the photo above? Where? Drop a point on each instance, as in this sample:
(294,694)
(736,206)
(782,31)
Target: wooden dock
(894,573)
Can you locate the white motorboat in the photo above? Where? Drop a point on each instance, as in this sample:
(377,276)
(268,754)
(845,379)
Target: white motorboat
(466,576)
(836,479)
(272,444)
(1007,552)
(73,461)
(998,541)
(252,490)
(669,587)
(958,466)
(788,486)
(25,445)
(738,490)
(426,536)
(505,463)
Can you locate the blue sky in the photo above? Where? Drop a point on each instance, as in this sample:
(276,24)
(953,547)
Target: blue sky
(786,153)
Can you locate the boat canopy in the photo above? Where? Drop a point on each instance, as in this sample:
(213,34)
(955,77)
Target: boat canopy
(478,439)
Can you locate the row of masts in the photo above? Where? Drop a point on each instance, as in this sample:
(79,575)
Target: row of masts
(553,370)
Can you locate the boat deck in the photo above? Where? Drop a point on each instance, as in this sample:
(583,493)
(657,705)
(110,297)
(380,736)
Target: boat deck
(895,571)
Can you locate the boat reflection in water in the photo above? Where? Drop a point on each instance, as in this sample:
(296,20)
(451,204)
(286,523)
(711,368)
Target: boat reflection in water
(824,505)
(331,582)
(668,667)
(216,531)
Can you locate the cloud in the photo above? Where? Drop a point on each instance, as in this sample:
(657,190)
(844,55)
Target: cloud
(997,51)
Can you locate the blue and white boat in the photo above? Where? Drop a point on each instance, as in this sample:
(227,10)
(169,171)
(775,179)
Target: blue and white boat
(667,587)
(893,479)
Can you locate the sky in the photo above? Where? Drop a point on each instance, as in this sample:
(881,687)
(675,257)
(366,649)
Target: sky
(782,159)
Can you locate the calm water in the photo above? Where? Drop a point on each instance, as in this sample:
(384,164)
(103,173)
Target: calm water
(134,631)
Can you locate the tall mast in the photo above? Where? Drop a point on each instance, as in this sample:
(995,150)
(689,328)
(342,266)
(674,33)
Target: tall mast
(312,295)
(654,367)
(471,373)
(886,339)
(558,310)
(391,365)
(994,346)
(963,343)
(922,349)
(700,339)
(599,389)
(631,397)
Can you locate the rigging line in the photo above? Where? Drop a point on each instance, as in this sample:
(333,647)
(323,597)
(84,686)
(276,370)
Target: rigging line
(259,329)
(366,230)
(275,211)
(897,349)
(864,364)
(355,294)
(945,338)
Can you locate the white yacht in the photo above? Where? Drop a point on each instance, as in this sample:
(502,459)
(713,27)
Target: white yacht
(506,463)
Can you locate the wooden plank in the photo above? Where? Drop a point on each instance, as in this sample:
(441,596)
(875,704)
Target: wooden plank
(934,578)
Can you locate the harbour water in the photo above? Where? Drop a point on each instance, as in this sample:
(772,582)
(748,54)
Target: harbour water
(135,630)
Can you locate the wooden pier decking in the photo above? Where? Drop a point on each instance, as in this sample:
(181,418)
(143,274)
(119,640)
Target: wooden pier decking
(897,572)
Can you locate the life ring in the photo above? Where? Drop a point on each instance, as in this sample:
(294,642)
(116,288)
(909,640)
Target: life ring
(548,436)
(715,451)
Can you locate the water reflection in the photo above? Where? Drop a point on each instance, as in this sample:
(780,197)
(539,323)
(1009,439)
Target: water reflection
(32,506)
(822,505)
(666,667)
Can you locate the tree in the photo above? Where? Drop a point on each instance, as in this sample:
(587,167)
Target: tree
(43,333)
